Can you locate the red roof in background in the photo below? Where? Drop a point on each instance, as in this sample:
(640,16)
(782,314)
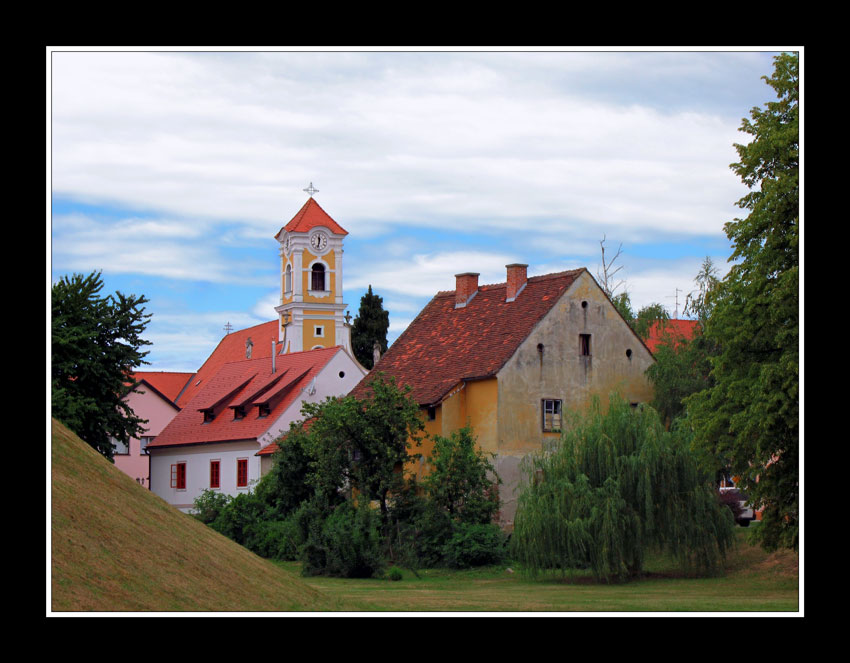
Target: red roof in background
(232,348)
(310,216)
(444,345)
(167,383)
(669,330)
(230,385)
(272,447)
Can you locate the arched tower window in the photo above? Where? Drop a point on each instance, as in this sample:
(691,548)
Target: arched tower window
(288,279)
(317,277)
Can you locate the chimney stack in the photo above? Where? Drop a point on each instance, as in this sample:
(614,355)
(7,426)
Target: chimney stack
(517,277)
(467,286)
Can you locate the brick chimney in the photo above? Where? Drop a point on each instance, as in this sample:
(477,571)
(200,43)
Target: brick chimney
(517,276)
(467,286)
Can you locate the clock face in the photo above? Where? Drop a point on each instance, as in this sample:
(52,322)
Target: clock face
(318,241)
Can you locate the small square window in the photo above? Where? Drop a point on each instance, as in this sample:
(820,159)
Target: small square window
(551,415)
(584,344)
(319,331)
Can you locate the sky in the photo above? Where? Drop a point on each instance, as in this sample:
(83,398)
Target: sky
(171,171)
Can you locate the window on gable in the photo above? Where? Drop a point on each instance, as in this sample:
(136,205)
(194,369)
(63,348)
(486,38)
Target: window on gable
(551,415)
(584,344)
(178,476)
(215,474)
(317,276)
(242,473)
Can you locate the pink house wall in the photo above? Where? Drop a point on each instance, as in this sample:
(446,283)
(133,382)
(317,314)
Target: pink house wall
(158,411)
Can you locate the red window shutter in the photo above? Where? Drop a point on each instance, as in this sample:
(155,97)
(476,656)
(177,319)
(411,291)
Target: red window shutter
(181,476)
(242,472)
(214,474)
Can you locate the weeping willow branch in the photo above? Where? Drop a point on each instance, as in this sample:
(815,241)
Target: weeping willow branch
(616,486)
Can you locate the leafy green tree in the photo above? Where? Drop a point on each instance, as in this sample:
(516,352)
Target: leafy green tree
(615,486)
(285,486)
(682,366)
(623,304)
(750,416)
(647,316)
(462,481)
(370,327)
(95,347)
(364,444)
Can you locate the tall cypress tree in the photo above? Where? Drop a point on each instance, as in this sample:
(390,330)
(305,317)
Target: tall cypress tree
(370,325)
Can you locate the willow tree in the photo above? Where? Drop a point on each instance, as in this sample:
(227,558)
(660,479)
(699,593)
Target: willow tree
(616,486)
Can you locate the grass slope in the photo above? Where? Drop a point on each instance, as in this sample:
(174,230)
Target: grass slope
(118,547)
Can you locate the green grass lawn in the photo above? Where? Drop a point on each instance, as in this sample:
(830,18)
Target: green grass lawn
(753,582)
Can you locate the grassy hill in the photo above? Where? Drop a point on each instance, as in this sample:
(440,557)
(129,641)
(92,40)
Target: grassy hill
(118,547)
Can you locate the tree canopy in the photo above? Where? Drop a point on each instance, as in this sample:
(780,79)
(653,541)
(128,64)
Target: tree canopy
(95,348)
(370,327)
(750,416)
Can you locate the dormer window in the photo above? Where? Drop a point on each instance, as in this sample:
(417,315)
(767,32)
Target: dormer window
(265,410)
(209,415)
(239,412)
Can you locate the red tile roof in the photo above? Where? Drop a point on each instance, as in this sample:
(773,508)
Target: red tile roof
(444,345)
(272,447)
(310,216)
(231,385)
(670,330)
(167,384)
(232,348)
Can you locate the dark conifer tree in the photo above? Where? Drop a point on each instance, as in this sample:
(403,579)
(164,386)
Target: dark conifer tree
(96,347)
(370,325)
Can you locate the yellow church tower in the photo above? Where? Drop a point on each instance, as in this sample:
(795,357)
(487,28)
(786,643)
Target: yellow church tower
(311,309)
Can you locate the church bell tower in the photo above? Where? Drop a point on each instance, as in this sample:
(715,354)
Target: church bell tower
(311,309)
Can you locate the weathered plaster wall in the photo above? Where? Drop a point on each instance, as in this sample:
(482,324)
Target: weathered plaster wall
(561,372)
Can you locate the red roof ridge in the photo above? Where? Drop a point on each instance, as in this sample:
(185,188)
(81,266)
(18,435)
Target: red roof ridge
(504,284)
(308,217)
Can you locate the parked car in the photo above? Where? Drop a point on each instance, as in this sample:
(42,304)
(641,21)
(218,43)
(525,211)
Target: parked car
(744,513)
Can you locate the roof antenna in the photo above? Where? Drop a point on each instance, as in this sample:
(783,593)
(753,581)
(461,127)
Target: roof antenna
(228,328)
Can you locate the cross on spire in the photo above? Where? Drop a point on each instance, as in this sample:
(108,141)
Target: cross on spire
(311,190)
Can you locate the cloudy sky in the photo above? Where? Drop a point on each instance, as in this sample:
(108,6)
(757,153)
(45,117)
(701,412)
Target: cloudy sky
(171,171)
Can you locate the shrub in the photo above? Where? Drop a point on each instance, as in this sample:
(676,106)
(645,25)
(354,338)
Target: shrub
(475,545)
(395,574)
(209,504)
(347,543)
(238,516)
(274,539)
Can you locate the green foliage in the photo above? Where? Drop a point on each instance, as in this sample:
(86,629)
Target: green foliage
(95,347)
(275,539)
(463,481)
(647,316)
(475,544)
(395,574)
(623,304)
(285,487)
(346,544)
(364,445)
(209,505)
(370,326)
(238,519)
(615,486)
(749,417)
